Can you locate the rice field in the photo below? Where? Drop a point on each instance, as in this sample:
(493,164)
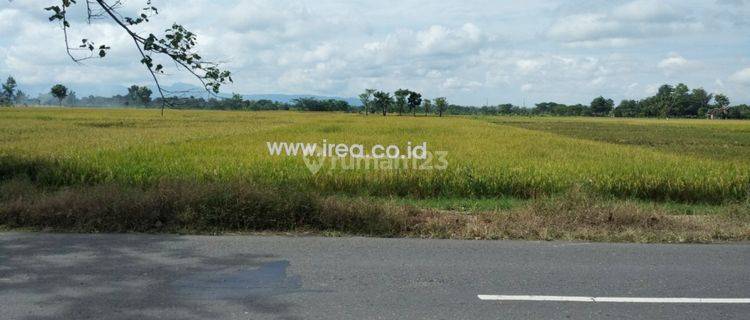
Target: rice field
(689,161)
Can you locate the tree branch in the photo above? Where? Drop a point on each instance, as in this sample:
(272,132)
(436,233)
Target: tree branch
(176,45)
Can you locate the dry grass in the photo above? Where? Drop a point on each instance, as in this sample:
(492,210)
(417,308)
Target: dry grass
(242,207)
(576,216)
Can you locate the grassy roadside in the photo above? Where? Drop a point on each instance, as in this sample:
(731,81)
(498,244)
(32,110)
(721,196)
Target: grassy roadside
(189,207)
(469,205)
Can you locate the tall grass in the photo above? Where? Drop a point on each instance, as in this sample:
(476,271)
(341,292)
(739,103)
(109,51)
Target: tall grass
(184,206)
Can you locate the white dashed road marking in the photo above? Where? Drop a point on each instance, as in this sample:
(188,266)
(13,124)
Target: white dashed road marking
(609,299)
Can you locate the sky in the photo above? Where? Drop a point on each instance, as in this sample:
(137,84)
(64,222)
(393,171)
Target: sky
(472,52)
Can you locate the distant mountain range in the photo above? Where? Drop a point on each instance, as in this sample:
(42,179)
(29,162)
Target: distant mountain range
(289,97)
(183,89)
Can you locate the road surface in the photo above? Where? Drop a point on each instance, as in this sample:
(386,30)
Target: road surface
(136,276)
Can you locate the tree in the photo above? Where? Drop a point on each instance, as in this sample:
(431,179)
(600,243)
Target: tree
(700,100)
(401,95)
(176,44)
(721,101)
(505,109)
(551,108)
(627,108)
(236,101)
(426,105)
(739,112)
(601,106)
(721,110)
(60,92)
(383,101)
(441,104)
(365,98)
(132,96)
(144,95)
(664,100)
(21,97)
(313,104)
(139,95)
(71,99)
(9,91)
(681,100)
(415,100)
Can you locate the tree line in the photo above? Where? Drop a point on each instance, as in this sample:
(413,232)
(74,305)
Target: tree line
(669,102)
(141,96)
(403,101)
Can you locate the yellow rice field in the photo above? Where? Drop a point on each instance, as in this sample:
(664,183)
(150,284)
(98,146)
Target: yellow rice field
(677,160)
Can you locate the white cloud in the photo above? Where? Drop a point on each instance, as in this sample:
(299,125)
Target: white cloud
(624,25)
(584,27)
(8,21)
(676,63)
(651,89)
(467,51)
(632,89)
(647,10)
(441,40)
(598,81)
(526,66)
(458,84)
(741,77)
(673,62)
(434,40)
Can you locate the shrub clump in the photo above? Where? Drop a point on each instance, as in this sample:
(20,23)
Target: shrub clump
(177,206)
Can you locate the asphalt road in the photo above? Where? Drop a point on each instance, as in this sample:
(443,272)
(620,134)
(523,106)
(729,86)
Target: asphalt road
(71,276)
